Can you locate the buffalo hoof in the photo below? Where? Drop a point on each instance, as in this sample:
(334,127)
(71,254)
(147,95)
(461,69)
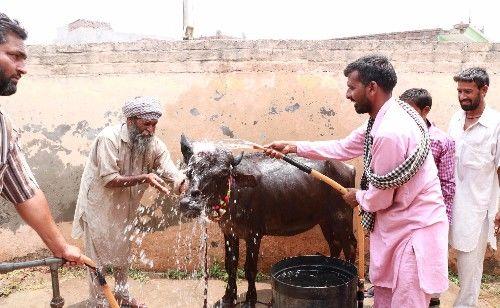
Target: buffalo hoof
(248,304)
(225,303)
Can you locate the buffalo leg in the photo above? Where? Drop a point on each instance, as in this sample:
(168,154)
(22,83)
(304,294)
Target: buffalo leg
(252,257)
(333,243)
(231,244)
(348,245)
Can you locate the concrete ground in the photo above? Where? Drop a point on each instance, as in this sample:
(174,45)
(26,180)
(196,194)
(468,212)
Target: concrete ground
(31,288)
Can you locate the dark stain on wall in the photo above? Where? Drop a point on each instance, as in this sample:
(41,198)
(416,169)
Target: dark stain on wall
(84,152)
(194,112)
(273,111)
(58,181)
(327,112)
(83,129)
(35,128)
(218,95)
(227,132)
(54,135)
(57,133)
(292,108)
(112,114)
(47,146)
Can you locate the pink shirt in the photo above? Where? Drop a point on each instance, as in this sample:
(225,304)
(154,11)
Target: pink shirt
(412,214)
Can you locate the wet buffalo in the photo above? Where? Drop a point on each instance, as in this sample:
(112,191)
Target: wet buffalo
(253,195)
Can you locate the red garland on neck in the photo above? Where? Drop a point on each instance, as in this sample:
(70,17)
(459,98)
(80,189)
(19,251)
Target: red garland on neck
(218,210)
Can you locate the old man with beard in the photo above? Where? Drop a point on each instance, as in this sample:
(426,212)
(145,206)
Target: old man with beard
(124,160)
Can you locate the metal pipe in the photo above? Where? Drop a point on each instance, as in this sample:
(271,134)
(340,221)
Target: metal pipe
(187,25)
(12,266)
(53,263)
(57,300)
(185,14)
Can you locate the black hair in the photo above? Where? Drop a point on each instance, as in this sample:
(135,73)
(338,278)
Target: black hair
(476,74)
(418,96)
(8,25)
(374,68)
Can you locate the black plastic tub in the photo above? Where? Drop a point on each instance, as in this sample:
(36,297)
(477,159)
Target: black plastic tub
(314,281)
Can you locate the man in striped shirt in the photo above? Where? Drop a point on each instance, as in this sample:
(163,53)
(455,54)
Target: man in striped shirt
(17,183)
(443,151)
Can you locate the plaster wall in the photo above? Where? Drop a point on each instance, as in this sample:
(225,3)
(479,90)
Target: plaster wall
(254,90)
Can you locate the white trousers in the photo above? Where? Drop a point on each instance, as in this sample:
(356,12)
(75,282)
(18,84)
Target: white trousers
(470,271)
(97,298)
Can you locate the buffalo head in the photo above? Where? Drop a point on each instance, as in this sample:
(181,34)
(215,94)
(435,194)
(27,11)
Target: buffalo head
(211,170)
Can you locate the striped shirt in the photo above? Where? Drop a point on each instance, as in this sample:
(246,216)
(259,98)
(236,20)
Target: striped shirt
(443,151)
(17,182)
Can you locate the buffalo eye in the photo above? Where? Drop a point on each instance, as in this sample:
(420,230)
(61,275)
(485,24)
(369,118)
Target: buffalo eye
(195,193)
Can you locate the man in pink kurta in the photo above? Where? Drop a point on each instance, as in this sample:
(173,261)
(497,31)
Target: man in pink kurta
(409,243)
(443,151)
(442,146)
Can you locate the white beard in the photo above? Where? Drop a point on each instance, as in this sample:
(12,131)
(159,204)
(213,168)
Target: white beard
(140,143)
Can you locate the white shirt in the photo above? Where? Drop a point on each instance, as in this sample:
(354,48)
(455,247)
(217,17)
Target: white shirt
(477,159)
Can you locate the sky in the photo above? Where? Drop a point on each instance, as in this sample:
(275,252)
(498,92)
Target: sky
(255,19)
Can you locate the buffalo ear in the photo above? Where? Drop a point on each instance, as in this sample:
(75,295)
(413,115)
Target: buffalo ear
(186,149)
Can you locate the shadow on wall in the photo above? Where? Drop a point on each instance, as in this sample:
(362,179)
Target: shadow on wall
(57,181)
(60,183)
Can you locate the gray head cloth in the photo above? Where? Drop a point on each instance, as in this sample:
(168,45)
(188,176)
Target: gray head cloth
(144,107)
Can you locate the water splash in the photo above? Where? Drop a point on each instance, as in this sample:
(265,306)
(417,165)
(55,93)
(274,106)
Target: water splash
(191,247)
(236,144)
(228,144)
(190,244)
(204,221)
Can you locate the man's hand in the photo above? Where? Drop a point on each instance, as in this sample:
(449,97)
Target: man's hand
(155,181)
(497,224)
(350,197)
(276,149)
(35,212)
(72,255)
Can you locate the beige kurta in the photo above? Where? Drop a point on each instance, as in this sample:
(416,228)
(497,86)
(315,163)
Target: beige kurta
(108,212)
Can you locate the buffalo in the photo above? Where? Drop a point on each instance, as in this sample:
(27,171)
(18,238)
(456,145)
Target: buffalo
(252,195)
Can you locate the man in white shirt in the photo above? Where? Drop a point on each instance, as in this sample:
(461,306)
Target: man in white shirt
(476,131)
